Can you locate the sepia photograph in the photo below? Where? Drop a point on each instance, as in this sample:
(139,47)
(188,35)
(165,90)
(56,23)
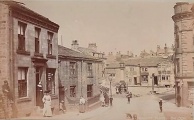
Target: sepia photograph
(96,59)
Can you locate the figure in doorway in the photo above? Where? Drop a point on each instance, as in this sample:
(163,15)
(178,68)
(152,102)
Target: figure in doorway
(47,112)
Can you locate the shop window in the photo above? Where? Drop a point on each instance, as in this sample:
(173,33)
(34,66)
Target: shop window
(22,82)
(50,81)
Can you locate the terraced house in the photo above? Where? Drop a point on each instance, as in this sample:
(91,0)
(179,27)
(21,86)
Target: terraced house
(79,75)
(139,71)
(28,56)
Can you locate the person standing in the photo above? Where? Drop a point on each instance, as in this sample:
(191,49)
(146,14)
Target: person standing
(178,100)
(47,104)
(62,107)
(160,104)
(82,102)
(128,97)
(6,91)
(102,99)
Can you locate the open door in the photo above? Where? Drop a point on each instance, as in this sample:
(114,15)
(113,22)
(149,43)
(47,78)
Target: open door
(39,89)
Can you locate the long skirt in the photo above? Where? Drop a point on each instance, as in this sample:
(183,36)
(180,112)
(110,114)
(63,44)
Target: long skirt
(82,108)
(47,110)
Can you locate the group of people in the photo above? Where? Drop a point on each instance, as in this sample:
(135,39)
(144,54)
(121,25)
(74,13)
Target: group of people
(104,98)
(120,89)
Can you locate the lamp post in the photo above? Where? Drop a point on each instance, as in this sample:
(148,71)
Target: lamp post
(110,79)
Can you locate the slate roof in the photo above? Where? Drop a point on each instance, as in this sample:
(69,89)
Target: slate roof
(66,52)
(147,62)
(143,62)
(87,50)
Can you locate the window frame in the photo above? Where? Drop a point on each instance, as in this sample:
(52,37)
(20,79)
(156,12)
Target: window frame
(25,80)
(21,36)
(89,90)
(73,68)
(50,42)
(90,69)
(37,40)
(50,84)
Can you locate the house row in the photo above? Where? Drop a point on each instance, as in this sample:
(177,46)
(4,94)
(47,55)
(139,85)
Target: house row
(143,71)
(32,61)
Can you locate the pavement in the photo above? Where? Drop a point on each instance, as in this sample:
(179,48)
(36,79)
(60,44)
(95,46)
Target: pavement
(146,107)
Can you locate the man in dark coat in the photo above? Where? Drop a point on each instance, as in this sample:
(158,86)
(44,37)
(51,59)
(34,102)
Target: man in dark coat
(178,100)
(160,104)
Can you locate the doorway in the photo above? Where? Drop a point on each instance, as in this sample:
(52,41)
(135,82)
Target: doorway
(135,80)
(155,80)
(39,89)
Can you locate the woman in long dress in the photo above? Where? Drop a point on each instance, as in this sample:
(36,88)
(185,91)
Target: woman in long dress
(47,104)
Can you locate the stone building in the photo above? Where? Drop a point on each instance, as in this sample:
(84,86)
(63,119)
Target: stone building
(184,51)
(91,51)
(138,71)
(28,56)
(79,75)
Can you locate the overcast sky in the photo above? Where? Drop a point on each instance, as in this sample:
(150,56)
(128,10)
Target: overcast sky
(114,25)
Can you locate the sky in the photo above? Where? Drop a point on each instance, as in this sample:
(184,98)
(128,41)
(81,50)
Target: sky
(114,25)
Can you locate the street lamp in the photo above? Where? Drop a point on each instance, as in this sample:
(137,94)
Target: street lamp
(110,79)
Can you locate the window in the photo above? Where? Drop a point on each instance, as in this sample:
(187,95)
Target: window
(178,65)
(72,91)
(89,90)
(159,72)
(50,81)
(21,36)
(168,72)
(131,69)
(22,82)
(89,69)
(73,69)
(163,77)
(37,40)
(167,77)
(50,37)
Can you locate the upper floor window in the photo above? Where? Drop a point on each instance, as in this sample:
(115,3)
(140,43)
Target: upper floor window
(89,67)
(50,80)
(144,69)
(131,69)
(37,40)
(50,45)
(22,82)
(73,69)
(21,35)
